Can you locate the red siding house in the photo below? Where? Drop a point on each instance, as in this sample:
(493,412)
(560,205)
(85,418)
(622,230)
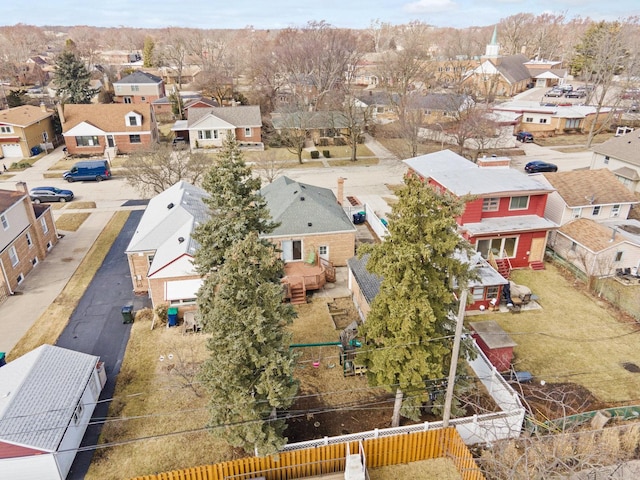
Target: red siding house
(504,220)
(92,129)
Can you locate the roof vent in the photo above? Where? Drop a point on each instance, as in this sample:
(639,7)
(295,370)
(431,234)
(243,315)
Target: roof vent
(170,206)
(309,224)
(302,199)
(180,239)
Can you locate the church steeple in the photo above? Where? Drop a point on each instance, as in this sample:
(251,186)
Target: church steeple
(493,48)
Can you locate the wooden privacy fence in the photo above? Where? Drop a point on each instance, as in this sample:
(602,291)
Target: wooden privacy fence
(327,459)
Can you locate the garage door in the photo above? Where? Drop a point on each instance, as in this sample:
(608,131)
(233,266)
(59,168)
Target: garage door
(11,150)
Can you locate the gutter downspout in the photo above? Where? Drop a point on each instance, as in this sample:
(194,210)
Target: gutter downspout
(6,279)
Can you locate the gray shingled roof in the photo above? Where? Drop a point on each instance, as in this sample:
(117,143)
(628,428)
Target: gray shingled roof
(513,69)
(39,393)
(238,116)
(369,282)
(309,120)
(303,209)
(139,77)
(624,148)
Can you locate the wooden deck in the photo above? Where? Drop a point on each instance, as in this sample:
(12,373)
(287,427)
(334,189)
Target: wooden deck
(301,277)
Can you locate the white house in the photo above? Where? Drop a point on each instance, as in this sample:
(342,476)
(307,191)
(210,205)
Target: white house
(620,155)
(47,398)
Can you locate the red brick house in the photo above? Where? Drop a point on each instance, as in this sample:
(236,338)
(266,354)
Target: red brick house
(504,220)
(92,129)
(27,234)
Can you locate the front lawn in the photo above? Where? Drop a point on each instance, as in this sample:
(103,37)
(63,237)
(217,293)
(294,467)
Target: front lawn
(572,139)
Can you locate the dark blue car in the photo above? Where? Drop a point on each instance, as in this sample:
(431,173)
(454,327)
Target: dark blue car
(537,166)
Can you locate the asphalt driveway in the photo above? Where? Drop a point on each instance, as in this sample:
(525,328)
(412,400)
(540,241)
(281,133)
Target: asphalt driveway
(96,328)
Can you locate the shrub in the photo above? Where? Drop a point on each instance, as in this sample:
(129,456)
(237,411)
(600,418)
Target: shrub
(315,154)
(339,141)
(326,153)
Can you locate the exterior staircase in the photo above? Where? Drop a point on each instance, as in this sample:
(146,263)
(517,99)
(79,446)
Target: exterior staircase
(298,293)
(503,266)
(537,265)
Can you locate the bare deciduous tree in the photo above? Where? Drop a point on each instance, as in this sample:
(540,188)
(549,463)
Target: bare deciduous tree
(268,167)
(153,171)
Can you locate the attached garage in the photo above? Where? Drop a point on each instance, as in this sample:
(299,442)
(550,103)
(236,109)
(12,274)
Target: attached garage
(11,150)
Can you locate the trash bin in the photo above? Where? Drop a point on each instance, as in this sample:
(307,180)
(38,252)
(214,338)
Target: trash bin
(127,314)
(172,317)
(2,360)
(359,218)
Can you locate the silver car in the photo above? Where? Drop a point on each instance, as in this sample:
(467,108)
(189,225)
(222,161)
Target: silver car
(50,194)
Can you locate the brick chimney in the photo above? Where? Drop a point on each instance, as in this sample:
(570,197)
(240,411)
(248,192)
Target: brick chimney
(340,194)
(493,162)
(43,107)
(60,112)
(22,187)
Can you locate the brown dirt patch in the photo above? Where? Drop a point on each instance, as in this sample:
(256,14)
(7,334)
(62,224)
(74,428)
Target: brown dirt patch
(557,400)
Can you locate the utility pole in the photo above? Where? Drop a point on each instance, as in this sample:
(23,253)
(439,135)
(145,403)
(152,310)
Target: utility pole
(448,400)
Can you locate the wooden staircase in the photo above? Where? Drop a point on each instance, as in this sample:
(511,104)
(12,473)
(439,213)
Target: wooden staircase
(503,266)
(298,293)
(536,265)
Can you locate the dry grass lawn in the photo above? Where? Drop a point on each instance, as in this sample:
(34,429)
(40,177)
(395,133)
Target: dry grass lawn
(573,139)
(435,469)
(70,222)
(160,404)
(80,205)
(49,326)
(573,338)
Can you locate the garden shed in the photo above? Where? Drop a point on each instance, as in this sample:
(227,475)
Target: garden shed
(495,343)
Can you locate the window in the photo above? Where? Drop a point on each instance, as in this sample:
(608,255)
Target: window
(127,100)
(606,160)
(77,414)
(87,141)
(519,203)
(45,137)
(20,278)
(13,256)
(596,211)
(29,241)
(576,212)
(183,301)
(133,121)
(615,210)
(144,99)
(478,293)
(34,262)
(43,222)
(528,120)
(135,88)
(204,134)
(503,247)
(134,138)
(572,123)
(490,204)
(150,259)
(543,120)
(573,246)
(492,292)
(618,257)
(323,250)
(247,132)
(5,222)
(6,129)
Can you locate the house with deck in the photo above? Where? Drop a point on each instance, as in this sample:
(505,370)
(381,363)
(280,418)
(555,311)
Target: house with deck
(503,217)
(314,234)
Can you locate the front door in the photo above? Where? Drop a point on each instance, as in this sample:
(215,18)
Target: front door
(323,252)
(536,253)
(110,141)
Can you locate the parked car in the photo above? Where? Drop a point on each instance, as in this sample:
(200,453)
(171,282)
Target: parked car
(537,166)
(50,194)
(579,93)
(524,137)
(566,88)
(554,92)
(179,143)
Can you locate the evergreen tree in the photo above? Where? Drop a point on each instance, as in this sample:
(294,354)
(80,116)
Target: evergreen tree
(177,104)
(410,326)
(73,79)
(250,370)
(237,208)
(147,52)
(16,98)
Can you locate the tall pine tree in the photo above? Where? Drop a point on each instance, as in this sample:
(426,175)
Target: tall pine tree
(237,207)
(250,371)
(410,326)
(73,79)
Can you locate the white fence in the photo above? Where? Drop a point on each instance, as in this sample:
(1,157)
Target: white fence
(373,220)
(485,428)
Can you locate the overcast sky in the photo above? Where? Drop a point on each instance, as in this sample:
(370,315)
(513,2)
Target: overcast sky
(264,14)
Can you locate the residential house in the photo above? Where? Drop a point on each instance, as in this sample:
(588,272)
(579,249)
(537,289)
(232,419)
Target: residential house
(208,127)
(161,251)
(119,58)
(498,75)
(620,155)
(503,218)
(381,106)
(364,285)
(23,128)
(175,76)
(314,233)
(439,107)
(139,87)
(367,71)
(592,194)
(92,129)
(27,234)
(47,397)
(546,73)
(163,107)
(322,128)
(596,249)
(550,120)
